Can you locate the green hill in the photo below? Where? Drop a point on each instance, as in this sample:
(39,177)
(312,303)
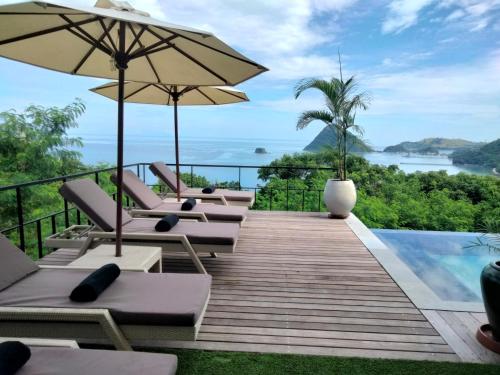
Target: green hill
(432,145)
(486,156)
(327,137)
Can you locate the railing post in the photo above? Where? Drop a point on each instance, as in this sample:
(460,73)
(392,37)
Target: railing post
(144,173)
(303,199)
(96,177)
(138,170)
(53,223)
(39,238)
(192,175)
(319,200)
(239,178)
(78,217)
(66,212)
(20,218)
(270,199)
(287,192)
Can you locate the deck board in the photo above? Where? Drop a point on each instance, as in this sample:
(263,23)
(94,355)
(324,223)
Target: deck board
(302,283)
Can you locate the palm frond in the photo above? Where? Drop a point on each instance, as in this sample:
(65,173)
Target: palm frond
(309,116)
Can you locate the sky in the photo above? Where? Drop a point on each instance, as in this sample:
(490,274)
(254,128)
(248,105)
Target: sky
(431,68)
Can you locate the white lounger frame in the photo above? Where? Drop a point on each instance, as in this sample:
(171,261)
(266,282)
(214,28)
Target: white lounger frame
(88,325)
(209,198)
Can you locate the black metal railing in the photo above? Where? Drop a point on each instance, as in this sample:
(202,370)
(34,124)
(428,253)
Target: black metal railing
(29,232)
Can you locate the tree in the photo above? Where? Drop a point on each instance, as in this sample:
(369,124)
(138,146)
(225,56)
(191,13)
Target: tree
(342,102)
(34,144)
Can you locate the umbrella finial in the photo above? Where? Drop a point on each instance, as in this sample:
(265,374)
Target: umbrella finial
(124,6)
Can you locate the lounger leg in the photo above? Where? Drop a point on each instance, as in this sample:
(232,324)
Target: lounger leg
(194,257)
(85,246)
(213,255)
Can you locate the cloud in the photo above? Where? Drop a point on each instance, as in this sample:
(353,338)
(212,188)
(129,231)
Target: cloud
(469,89)
(473,14)
(403,14)
(279,34)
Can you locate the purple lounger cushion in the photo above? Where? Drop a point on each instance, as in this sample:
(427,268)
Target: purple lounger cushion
(14,264)
(147,199)
(64,361)
(161,170)
(133,298)
(196,232)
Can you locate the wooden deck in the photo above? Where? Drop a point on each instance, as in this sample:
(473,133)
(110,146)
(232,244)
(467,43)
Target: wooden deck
(303,283)
(458,328)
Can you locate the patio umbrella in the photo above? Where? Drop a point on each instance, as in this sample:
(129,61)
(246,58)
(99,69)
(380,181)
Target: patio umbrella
(110,38)
(152,93)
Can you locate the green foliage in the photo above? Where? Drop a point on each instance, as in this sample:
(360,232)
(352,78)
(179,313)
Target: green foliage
(387,197)
(34,144)
(430,145)
(486,156)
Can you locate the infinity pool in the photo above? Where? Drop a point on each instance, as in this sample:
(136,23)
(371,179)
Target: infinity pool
(444,261)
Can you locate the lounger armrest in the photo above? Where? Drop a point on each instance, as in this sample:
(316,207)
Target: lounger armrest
(157,237)
(182,214)
(54,314)
(53,343)
(203,196)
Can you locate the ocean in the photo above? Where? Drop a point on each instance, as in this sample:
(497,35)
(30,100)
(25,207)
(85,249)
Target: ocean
(213,151)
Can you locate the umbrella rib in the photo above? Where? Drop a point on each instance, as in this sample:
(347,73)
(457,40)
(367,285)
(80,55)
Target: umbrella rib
(139,34)
(216,49)
(46,31)
(137,37)
(193,59)
(159,87)
(137,91)
(102,46)
(151,48)
(91,50)
(206,96)
(106,33)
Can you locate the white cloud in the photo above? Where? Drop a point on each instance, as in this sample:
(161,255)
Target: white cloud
(279,34)
(403,14)
(474,14)
(472,89)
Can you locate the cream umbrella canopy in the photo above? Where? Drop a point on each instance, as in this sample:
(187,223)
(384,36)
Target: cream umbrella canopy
(152,93)
(110,39)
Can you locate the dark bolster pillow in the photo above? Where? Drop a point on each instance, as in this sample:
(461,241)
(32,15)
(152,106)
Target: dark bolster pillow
(95,283)
(166,223)
(13,356)
(209,189)
(188,204)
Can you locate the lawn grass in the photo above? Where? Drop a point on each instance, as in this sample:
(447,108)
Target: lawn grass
(194,362)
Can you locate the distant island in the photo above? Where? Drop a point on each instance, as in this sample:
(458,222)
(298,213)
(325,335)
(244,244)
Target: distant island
(260,150)
(432,146)
(327,137)
(487,156)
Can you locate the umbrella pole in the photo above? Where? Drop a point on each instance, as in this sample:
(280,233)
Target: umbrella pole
(121,65)
(175,98)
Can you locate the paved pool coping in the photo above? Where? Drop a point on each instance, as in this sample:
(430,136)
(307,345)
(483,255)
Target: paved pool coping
(416,290)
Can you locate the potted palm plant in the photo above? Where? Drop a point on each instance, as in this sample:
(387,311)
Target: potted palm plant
(342,101)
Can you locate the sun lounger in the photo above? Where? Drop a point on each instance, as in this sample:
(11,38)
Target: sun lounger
(152,205)
(221,196)
(56,358)
(137,307)
(189,236)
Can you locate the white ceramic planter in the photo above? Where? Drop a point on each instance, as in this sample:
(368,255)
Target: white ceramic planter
(339,197)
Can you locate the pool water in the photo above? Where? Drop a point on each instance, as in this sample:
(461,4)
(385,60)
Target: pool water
(445,261)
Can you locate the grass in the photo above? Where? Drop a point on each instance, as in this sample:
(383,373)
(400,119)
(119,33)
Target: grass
(195,362)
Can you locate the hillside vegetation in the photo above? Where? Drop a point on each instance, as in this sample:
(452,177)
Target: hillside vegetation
(485,156)
(327,137)
(432,145)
